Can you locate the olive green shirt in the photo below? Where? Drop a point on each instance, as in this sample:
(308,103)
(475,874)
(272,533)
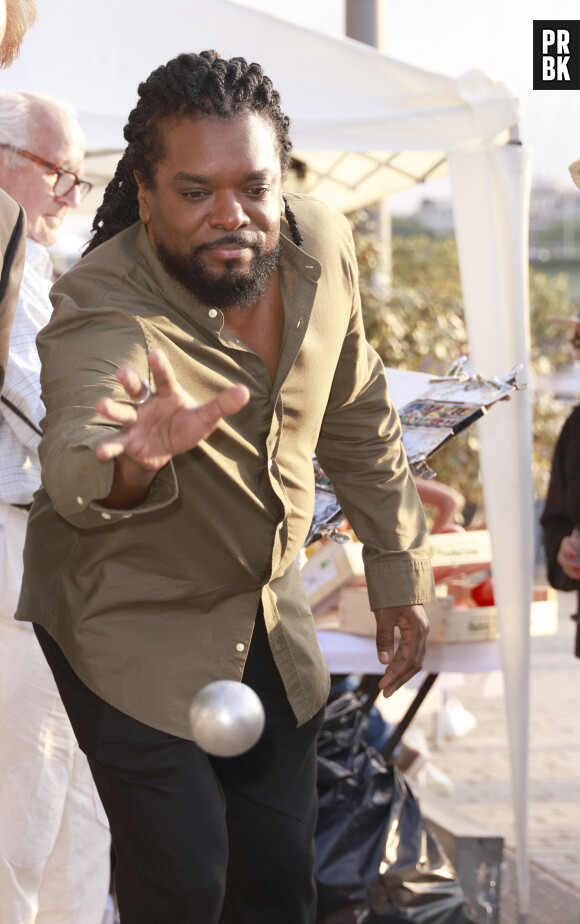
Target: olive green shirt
(150,604)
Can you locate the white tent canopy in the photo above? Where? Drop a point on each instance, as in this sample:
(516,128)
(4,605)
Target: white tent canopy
(345,98)
(342,96)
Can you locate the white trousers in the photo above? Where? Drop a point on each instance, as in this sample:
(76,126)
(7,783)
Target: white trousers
(54,834)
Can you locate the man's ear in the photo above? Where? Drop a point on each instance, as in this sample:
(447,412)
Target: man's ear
(142,198)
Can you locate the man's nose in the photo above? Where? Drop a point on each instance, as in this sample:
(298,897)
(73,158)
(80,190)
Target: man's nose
(72,198)
(227,212)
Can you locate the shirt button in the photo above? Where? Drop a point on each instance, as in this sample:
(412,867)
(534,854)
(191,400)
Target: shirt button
(106,516)
(79,500)
(212,312)
(240,646)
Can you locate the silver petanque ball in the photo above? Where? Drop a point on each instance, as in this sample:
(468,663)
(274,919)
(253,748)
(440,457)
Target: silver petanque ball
(226,718)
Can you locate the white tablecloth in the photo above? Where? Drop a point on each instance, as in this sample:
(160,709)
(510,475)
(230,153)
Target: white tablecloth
(357,654)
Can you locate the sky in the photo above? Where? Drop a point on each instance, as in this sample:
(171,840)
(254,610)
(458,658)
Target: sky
(455,36)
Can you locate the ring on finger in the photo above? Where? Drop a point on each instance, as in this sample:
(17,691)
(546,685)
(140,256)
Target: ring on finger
(146,395)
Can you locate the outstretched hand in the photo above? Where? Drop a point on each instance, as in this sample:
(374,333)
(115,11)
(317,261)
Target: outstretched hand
(407,660)
(168,423)
(567,559)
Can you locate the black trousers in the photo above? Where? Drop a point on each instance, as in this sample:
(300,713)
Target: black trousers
(200,839)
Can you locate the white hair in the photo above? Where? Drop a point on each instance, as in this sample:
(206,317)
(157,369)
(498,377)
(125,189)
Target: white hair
(17,119)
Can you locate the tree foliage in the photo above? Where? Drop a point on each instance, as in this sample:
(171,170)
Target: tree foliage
(418,324)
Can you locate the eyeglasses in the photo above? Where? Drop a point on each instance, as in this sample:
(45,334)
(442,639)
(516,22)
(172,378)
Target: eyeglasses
(65,181)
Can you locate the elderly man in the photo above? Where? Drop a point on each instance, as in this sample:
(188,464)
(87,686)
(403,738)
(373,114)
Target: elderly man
(16,16)
(54,842)
(161,551)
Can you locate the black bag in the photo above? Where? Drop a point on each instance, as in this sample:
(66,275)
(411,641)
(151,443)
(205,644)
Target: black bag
(377,862)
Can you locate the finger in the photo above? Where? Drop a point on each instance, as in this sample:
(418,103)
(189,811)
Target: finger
(228,402)
(400,671)
(568,550)
(124,414)
(131,382)
(232,400)
(113,447)
(385,639)
(567,560)
(163,374)
(408,660)
(570,569)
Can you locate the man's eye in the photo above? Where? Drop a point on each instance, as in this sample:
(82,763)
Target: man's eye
(258,192)
(194,194)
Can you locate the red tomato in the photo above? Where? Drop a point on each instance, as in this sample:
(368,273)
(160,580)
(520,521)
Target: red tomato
(483,593)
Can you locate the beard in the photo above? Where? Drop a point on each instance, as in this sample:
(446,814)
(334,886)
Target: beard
(229,288)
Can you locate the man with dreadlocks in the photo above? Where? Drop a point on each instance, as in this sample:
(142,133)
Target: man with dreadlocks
(206,345)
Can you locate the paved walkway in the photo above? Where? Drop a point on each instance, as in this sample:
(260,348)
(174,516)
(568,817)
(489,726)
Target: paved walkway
(478,766)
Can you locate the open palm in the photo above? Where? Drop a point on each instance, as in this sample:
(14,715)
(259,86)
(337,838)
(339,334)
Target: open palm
(168,423)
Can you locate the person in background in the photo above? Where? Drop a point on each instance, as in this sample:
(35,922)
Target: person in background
(447,501)
(561,516)
(16,17)
(562,509)
(54,838)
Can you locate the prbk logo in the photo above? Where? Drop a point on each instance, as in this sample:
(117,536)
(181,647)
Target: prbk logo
(557,54)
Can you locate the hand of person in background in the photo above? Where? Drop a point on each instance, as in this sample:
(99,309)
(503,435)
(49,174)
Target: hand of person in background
(567,558)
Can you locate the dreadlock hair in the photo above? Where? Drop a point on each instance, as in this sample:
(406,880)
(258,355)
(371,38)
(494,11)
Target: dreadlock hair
(189,85)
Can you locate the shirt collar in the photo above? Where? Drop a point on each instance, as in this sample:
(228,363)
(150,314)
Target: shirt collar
(37,257)
(291,257)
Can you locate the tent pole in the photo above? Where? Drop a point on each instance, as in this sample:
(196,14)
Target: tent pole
(364,22)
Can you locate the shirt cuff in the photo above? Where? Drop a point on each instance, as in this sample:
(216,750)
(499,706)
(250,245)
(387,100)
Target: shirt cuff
(94,478)
(163,491)
(400,583)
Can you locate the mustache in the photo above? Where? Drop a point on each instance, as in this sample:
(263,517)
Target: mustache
(238,240)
